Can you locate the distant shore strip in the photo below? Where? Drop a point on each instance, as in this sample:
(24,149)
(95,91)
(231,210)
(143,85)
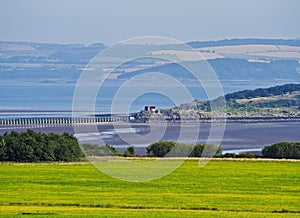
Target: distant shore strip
(109,118)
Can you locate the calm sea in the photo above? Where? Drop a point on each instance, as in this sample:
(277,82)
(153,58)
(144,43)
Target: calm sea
(38,96)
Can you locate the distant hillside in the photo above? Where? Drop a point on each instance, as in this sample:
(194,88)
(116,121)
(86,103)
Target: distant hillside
(48,53)
(45,61)
(275,102)
(228,42)
(231,69)
(233,59)
(282,101)
(254,60)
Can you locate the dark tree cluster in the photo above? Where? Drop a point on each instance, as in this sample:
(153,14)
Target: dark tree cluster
(174,149)
(33,146)
(107,150)
(286,150)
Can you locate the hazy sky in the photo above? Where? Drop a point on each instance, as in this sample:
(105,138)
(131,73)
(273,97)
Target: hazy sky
(89,21)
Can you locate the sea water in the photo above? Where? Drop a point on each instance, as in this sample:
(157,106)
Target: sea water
(22,95)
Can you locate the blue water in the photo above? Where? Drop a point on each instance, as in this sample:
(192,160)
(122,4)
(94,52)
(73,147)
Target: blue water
(34,95)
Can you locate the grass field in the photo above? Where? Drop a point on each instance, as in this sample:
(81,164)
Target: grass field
(220,189)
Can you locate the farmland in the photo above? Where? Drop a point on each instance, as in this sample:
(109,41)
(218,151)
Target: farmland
(221,188)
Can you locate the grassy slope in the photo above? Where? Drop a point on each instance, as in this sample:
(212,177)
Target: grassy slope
(281,101)
(241,189)
(280,105)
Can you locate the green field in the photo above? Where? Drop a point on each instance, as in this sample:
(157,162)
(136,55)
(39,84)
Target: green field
(220,189)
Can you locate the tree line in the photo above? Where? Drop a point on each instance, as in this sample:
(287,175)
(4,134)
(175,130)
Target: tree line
(157,149)
(281,150)
(33,146)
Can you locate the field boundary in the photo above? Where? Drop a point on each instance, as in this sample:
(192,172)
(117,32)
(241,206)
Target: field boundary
(140,207)
(116,158)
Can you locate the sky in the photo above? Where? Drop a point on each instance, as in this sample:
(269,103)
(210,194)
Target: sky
(110,21)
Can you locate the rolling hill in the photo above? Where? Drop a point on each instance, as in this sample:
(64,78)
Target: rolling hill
(231,59)
(278,101)
(274,102)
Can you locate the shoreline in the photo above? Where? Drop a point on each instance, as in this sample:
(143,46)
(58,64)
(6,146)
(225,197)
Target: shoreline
(238,136)
(66,114)
(117,158)
(151,123)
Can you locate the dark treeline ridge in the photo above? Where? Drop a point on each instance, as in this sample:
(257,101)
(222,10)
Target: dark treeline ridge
(257,93)
(33,146)
(281,150)
(263,92)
